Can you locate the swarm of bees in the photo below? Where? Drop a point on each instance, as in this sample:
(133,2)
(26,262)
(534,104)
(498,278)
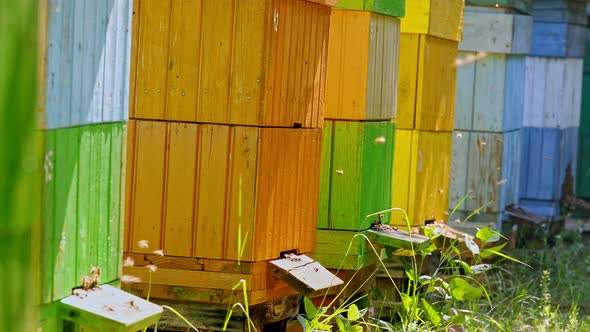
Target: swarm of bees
(91,280)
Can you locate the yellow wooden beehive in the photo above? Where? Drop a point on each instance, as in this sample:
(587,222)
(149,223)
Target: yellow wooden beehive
(440,18)
(426,91)
(362,69)
(246,62)
(421,179)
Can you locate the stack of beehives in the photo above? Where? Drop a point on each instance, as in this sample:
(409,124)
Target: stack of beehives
(224,143)
(426,102)
(553,80)
(489,108)
(86,91)
(357,152)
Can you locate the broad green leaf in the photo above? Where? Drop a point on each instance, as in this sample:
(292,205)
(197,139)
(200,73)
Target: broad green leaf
(406,301)
(410,275)
(323,327)
(339,324)
(354,328)
(461,290)
(310,309)
(432,314)
(353,312)
(464,265)
(473,247)
(458,319)
(488,235)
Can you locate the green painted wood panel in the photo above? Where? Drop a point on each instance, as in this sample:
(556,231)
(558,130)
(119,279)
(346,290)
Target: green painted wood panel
(19,206)
(386,7)
(583,178)
(361,155)
(82,205)
(525,6)
(324,205)
(332,246)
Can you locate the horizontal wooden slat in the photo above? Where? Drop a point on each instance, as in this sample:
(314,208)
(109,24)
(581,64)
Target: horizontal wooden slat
(496,32)
(558,40)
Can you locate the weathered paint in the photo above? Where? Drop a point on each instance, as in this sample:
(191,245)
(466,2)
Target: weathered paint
(87,69)
(558,40)
(356,173)
(386,7)
(82,198)
(560,11)
(191,186)
(583,178)
(487,167)
(426,90)
(490,92)
(246,62)
(19,167)
(496,32)
(363,57)
(547,152)
(552,96)
(524,6)
(440,18)
(421,174)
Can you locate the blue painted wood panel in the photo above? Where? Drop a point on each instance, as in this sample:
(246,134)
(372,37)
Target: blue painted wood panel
(547,152)
(488,166)
(560,11)
(493,31)
(490,93)
(558,40)
(88,56)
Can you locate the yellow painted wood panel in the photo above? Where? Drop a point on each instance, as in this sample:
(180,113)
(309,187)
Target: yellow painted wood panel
(152,59)
(250,62)
(212,182)
(183,70)
(441,18)
(425,177)
(432,73)
(363,57)
(180,189)
(409,56)
(193,185)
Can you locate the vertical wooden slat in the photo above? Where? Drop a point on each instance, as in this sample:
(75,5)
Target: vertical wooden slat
(130,169)
(85,160)
(183,64)
(214,85)
(48,245)
(459,165)
(149,177)
(152,59)
(402,171)
(488,105)
(326,166)
(116,205)
(212,191)
(409,54)
(180,189)
(103,141)
(244,151)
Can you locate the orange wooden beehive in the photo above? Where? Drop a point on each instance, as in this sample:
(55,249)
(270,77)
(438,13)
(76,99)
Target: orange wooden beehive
(246,62)
(198,190)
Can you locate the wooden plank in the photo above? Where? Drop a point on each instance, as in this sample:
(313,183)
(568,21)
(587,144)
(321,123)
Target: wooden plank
(583,172)
(402,171)
(129,160)
(524,6)
(465,91)
(212,187)
(152,59)
(391,8)
(304,274)
(496,32)
(514,95)
(109,308)
(325,178)
(560,11)
(442,19)
(183,70)
(48,217)
(115,194)
(435,99)
(148,192)
(180,189)
(459,187)
(489,90)
(408,80)
(541,168)
(558,40)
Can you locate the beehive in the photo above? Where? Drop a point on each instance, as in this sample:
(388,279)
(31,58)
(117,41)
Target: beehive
(87,67)
(82,206)
(559,28)
(495,31)
(246,62)
(357,158)
(421,179)
(387,7)
(490,92)
(361,81)
(440,18)
(486,167)
(426,92)
(524,6)
(191,187)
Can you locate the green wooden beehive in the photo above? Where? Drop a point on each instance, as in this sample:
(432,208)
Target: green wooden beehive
(387,7)
(357,161)
(82,206)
